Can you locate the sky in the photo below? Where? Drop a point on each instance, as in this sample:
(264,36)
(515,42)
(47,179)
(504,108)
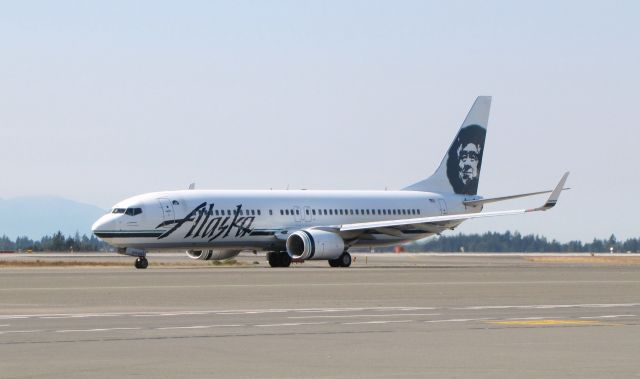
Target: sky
(100,101)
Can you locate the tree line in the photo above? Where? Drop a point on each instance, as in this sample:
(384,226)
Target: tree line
(487,242)
(515,242)
(55,242)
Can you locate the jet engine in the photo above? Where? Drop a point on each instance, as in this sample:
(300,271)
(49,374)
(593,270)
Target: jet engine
(312,244)
(216,255)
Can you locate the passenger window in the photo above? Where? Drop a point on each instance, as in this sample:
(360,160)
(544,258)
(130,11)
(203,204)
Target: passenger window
(351,211)
(286,211)
(313,211)
(228,212)
(325,212)
(306,211)
(331,212)
(418,211)
(297,211)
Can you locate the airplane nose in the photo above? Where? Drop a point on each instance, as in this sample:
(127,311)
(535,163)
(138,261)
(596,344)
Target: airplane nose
(97,226)
(103,223)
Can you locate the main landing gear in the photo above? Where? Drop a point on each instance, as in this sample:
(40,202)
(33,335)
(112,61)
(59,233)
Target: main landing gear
(342,261)
(282,259)
(279,259)
(142,263)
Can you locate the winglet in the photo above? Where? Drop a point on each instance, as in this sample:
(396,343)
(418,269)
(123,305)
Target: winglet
(555,194)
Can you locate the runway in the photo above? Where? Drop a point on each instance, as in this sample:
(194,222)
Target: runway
(403,316)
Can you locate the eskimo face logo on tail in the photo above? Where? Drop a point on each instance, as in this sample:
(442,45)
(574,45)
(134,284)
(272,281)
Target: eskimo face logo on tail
(204,225)
(465,159)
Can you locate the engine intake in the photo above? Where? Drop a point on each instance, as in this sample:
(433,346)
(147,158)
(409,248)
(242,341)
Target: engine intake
(216,255)
(312,244)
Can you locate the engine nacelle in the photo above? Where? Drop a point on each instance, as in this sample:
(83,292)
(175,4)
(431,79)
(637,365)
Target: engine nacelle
(216,255)
(311,244)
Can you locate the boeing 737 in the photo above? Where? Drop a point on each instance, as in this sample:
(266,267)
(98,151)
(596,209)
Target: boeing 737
(305,225)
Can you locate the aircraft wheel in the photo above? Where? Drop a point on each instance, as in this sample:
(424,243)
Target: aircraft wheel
(272,258)
(334,262)
(279,259)
(345,259)
(285,259)
(142,263)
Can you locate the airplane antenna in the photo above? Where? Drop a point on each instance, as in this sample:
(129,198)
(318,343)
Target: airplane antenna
(192,186)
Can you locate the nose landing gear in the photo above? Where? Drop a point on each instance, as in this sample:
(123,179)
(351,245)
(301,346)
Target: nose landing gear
(141,259)
(142,263)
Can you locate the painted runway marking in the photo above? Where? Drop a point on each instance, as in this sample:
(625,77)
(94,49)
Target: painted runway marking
(545,322)
(459,320)
(200,327)
(309,311)
(376,322)
(93,330)
(369,315)
(608,316)
(291,324)
(22,331)
(548,306)
(78,316)
(206,312)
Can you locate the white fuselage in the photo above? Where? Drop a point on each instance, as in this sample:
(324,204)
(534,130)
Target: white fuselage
(262,220)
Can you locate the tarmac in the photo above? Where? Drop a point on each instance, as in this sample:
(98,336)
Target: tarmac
(389,315)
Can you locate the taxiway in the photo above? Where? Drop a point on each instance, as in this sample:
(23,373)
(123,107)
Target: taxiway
(403,316)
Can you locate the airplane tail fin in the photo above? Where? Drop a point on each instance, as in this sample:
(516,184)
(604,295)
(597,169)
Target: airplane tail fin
(459,171)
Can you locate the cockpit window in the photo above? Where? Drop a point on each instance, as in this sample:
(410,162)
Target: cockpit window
(133,211)
(118,210)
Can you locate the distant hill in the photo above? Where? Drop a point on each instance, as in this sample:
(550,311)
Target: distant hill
(36,216)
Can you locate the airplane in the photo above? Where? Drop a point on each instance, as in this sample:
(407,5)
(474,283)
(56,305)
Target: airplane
(300,225)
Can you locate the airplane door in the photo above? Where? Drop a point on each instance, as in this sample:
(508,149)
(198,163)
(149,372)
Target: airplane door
(307,214)
(443,207)
(167,209)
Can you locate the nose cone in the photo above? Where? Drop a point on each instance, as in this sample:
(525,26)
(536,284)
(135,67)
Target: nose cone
(103,224)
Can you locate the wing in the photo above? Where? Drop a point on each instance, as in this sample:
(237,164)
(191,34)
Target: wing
(438,224)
